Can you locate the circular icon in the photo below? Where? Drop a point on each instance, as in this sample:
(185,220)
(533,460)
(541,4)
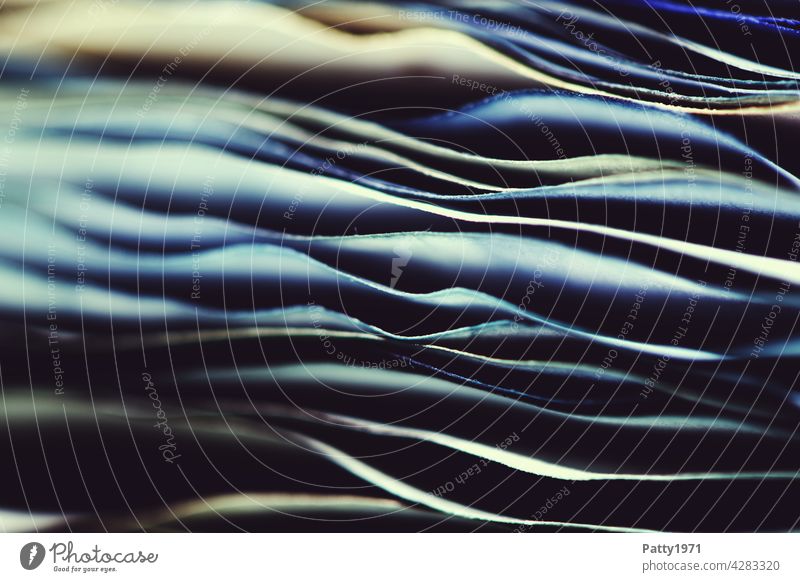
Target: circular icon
(31,555)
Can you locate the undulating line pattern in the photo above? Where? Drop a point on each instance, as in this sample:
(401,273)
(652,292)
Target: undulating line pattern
(399,266)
